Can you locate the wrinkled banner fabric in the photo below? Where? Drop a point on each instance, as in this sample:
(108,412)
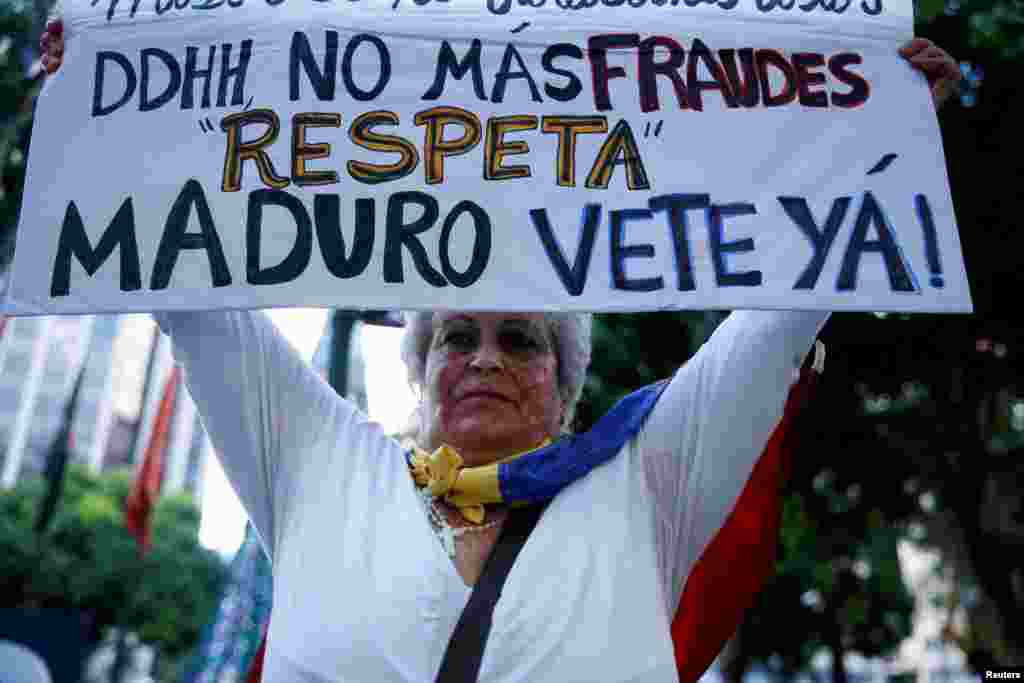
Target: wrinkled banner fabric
(487,154)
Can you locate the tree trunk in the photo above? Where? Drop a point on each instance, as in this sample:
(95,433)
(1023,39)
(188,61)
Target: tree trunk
(978,482)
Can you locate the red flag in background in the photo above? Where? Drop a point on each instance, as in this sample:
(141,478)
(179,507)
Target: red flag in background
(255,674)
(146,488)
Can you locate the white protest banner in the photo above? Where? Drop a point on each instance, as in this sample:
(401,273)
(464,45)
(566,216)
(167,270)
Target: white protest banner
(487,154)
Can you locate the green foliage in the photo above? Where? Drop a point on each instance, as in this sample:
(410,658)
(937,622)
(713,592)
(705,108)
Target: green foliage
(997,25)
(927,400)
(994,25)
(88,560)
(17,94)
(621,369)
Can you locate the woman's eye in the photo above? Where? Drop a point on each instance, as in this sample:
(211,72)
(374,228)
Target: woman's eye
(519,341)
(460,340)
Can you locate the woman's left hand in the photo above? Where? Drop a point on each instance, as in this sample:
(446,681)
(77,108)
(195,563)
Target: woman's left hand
(941,69)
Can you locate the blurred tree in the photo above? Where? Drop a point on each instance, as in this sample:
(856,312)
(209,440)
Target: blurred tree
(18,90)
(624,359)
(995,25)
(942,397)
(89,561)
(936,421)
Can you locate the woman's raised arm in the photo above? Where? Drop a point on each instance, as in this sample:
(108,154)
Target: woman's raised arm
(712,424)
(271,417)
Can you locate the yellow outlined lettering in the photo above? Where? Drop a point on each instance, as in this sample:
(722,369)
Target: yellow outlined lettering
(435,147)
(619,141)
(237,152)
(303,151)
(360,133)
(567,128)
(496,148)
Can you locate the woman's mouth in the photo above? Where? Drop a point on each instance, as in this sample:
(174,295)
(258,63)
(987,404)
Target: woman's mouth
(482,395)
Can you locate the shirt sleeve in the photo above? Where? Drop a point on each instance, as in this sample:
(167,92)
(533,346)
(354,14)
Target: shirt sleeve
(268,414)
(712,423)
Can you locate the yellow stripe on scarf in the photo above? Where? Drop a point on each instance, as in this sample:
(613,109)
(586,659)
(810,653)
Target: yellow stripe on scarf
(465,488)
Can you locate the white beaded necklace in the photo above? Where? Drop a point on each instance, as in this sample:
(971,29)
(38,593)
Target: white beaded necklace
(445,532)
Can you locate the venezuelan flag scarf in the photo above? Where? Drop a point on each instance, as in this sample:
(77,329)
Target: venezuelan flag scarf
(536,475)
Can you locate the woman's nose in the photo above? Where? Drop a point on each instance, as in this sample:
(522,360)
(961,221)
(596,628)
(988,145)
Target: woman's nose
(488,357)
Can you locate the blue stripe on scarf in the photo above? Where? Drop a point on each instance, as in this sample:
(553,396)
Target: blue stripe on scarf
(541,474)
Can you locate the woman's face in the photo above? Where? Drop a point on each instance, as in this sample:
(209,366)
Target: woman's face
(492,384)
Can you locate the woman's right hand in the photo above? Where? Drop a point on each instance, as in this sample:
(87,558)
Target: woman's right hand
(51,44)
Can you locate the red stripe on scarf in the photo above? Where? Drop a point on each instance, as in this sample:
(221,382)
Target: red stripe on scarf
(730,572)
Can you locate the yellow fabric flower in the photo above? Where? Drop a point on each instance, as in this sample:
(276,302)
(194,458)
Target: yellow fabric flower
(465,488)
(442,470)
(418,467)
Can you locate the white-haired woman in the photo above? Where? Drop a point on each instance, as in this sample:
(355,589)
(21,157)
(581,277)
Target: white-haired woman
(376,547)
(364,590)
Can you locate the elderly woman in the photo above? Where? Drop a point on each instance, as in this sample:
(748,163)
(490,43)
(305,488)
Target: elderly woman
(376,546)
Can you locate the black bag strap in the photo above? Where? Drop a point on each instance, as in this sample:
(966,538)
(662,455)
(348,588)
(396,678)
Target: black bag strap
(461,663)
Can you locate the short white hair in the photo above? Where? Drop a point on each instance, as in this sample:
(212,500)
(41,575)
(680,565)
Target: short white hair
(570,333)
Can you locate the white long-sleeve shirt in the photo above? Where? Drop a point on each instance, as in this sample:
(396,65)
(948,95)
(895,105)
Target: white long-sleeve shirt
(363,590)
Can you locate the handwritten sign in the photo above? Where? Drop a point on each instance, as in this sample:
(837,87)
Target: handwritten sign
(487,154)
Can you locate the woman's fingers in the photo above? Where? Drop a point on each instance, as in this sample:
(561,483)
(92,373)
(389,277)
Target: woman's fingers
(51,45)
(929,58)
(915,46)
(936,64)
